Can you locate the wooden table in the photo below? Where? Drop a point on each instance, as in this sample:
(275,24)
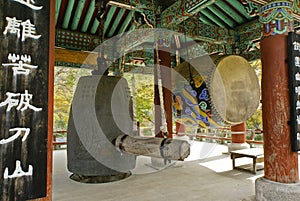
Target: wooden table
(257,154)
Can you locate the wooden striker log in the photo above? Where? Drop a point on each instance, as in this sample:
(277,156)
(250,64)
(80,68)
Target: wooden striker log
(167,148)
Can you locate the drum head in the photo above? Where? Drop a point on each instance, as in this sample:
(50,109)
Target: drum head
(234,89)
(214,90)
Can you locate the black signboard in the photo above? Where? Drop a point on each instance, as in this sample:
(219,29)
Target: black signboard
(294,86)
(24,59)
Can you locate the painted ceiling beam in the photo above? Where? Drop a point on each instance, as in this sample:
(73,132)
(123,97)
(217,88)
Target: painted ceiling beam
(221,15)
(88,16)
(201,31)
(126,22)
(206,20)
(116,22)
(57,8)
(109,17)
(77,15)
(213,17)
(182,10)
(68,14)
(230,11)
(95,26)
(240,8)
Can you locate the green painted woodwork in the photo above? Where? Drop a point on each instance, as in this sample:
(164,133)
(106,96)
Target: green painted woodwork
(57,7)
(109,16)
(116,22)
(221,15)
(251,8)
(230,11)
(276,18)
(182,10)
(76,40)
(68,14)
(88,16)
(126,22)
(95,26)
(132,27)
(205,19)
(213,17)
(77,15)
(239,7)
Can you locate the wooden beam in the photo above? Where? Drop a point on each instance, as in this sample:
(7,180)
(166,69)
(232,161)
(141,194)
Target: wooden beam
(73,56)
(183,10)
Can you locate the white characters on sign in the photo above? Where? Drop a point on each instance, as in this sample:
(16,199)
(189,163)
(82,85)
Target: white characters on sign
(297,105)
(298,119)
(10,101)
(18,171)
(13,26)
(297,76)
(19,64)
(296,45)
(297,61)
(19,132)
(30,4)
(22,104)
(297,90)
(28,29)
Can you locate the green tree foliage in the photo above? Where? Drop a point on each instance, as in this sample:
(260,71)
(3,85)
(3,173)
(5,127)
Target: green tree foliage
(144,97)
(65,80)
(255,121)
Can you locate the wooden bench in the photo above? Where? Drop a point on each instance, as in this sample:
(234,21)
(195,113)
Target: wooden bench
(257,154)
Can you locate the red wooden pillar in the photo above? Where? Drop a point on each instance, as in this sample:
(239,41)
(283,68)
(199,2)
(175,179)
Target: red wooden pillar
(281,164)
(238,133)
(167,88)
(238,137)
(180,129)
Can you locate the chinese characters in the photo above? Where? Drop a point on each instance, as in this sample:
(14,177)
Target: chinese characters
(19,132)
(28,29)
(20,64)
(30,4)
(18,171)
(22,104)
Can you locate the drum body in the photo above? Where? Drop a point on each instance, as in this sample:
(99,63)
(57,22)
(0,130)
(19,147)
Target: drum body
(216,90)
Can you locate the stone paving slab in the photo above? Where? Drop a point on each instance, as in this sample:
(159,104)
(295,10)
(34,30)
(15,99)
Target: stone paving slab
(206,175)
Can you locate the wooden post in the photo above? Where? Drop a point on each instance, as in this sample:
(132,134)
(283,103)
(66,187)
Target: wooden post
(180,129)
(238,137)
(238,133)
(167,88)
(281,164)
(157,103)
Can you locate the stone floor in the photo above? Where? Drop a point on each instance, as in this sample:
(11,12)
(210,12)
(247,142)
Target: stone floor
(205,175)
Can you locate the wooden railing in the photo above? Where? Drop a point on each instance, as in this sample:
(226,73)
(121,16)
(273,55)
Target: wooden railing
(56,143)
(224,135)
(221,136)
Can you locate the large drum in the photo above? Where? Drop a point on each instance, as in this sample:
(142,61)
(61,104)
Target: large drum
(213,91)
